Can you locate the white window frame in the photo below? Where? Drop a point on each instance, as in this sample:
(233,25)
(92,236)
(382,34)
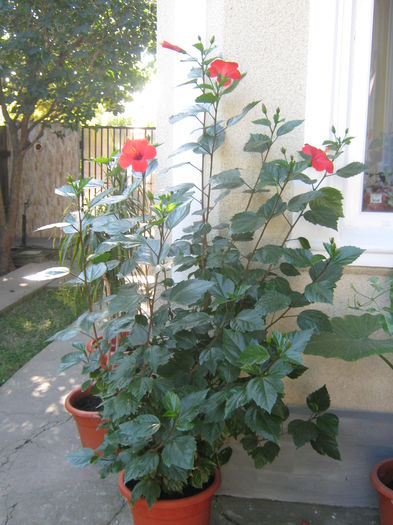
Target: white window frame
(339,56)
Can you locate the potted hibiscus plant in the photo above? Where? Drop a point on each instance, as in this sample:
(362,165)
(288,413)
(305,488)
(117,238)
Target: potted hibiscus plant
(203,361)
(86,248)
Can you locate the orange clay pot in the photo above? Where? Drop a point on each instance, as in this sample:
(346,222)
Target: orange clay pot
(86,422)
(92,347)
(383,473)
(194,510)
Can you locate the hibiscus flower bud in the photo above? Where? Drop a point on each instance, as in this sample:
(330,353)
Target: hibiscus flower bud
(172,47)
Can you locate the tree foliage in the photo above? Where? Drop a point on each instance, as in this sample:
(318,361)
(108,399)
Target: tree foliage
(58,61)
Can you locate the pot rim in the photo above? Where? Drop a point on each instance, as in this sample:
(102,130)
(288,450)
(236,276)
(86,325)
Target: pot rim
(377,483)
(71,397)
(180,502)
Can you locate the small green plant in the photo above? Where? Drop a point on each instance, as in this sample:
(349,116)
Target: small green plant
(380,305)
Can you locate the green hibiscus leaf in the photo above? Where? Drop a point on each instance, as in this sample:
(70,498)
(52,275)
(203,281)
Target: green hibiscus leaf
(326,445)
(315,320)
(233,345)
(264,391)
(71,359)
(140,466)
(254,354)
(148,489)
(258,143)
(328,424)
(81,458)
(302,432)
(265,454)
(246,222)
(288,127)
(347,255)
(354,168)
(272,207)
(319,292)
(350,339)
(269,254)
(237,397)
(267,426)
(319,400)
(248,321)
(226,180)
(180,452)
(189,292)
(234,120)
(142,427)
(272,301)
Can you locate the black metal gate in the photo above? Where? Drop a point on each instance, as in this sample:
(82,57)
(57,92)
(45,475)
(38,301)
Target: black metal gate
(101,141)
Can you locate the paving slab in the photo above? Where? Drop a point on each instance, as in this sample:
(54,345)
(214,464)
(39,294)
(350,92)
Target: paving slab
(14,287)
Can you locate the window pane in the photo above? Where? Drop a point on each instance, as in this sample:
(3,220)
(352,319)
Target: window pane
(378,181)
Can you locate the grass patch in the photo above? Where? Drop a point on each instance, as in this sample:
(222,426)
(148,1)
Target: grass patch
(25,329)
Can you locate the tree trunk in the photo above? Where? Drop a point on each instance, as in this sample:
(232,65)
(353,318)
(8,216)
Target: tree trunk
(9,216)
(6,262)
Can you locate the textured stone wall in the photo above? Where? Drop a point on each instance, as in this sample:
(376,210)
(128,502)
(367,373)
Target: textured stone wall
(45,168)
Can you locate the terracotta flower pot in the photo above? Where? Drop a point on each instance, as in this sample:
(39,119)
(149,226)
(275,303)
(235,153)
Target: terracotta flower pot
(381,474)
(194,510)
(86,422)
(92,347)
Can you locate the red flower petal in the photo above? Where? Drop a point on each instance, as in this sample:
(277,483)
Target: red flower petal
(168,45)
(139,165)
(130,148)
(304,522)
(308,150)
(319,160)
(136,153)
(125,161)
(224,71)
(150,152)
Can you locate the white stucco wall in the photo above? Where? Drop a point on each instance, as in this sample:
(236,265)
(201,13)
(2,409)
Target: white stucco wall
(269,40)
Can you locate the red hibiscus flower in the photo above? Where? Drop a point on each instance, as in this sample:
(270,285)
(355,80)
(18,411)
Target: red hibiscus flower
(319,160)
(168,45)
(304,522)
(136,153)
(227,71)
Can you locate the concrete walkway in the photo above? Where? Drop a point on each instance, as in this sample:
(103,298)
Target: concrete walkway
(14,287)
(39,487)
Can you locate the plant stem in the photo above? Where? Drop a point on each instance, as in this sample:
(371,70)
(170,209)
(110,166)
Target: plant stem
(206,214)
(83,261)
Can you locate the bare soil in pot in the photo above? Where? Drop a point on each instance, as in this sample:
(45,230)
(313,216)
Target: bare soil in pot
(89,403)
